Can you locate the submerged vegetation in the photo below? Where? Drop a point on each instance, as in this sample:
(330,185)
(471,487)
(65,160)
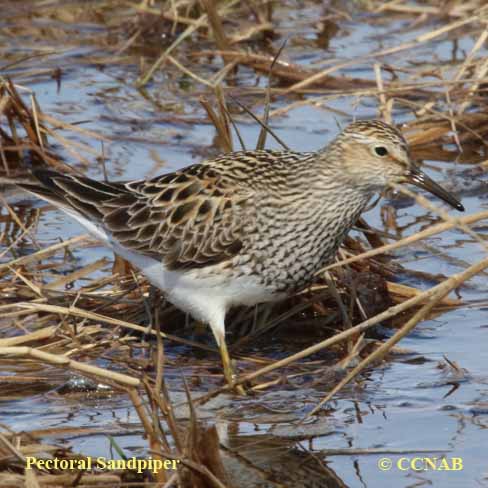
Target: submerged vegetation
(96,328)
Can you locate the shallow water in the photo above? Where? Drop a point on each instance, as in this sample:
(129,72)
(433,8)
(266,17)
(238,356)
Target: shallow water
(408,404)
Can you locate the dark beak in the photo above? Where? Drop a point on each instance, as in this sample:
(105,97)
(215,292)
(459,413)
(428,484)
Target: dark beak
(420,179)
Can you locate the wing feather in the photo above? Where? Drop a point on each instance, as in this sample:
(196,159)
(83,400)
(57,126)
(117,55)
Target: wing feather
(189,219)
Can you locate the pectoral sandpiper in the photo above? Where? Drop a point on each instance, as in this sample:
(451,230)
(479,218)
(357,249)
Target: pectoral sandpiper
(244,228)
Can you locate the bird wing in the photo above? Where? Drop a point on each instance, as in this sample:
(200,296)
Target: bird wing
(189,219)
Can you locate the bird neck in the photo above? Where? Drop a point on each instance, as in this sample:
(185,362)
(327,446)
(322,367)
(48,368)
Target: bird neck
(332,166)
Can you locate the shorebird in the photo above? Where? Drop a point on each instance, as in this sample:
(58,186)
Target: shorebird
(245,228)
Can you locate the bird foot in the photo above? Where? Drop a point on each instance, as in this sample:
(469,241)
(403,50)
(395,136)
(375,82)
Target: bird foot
(238,389)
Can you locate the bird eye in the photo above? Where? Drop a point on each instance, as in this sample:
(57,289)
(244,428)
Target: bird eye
(381,151)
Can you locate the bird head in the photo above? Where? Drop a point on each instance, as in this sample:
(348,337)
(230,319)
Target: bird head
(375,155)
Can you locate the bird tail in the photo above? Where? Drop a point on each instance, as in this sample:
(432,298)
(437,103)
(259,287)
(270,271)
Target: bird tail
(73,193)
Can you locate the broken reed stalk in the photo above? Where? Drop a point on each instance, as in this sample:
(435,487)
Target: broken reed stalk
(38,335)
(154,396)
(18,221)
(224,115)
(267,101)
(220,122)
(418,236)
(22,261)
(65,362)
(217,26)
(11,448)
(261,123)
(443,214)
(385,106)
(154,439)
(441,291)
(197,454)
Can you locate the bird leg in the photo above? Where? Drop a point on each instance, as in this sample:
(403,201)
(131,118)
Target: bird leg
(228,372)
